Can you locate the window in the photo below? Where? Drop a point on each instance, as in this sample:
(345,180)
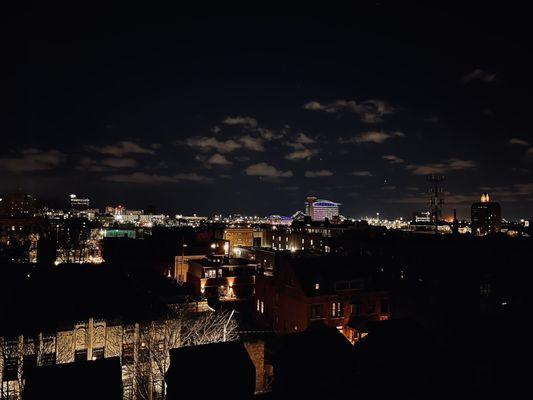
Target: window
(356,284)
(336,309)
(311,242)
(98,353)
(144,353)
(11,368)
(129,329)
(327,249)
(80,355)
(355,308)
(258,306)
(317,311)
(48,359)
(128,389)
(485,289)
(262,307)
(317,286)
(29,361)
(371,308)
(342,285)
(127,354)
(210,273)
(384,306)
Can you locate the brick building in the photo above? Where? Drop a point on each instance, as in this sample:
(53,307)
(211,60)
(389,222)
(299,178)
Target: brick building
(307,289)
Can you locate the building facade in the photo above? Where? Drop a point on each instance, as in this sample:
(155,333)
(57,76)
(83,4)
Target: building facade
(305,291)
(486,216)
(320,209)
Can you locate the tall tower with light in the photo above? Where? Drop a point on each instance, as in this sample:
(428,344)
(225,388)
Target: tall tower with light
(486,216)
(436,197)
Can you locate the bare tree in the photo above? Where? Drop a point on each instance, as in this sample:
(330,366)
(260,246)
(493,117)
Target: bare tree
(10,367)
(208,328)
(146,371)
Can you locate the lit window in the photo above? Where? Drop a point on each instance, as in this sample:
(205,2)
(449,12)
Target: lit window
(311,242)
(258,305)
(262,307)
(317,286)
(336,309)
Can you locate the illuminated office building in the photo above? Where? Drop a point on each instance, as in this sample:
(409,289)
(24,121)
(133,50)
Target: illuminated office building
(486,216)
(79,203)
(319,209)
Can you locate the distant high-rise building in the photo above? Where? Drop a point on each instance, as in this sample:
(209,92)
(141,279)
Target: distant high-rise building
(79,203)
(486,216)
(319,209)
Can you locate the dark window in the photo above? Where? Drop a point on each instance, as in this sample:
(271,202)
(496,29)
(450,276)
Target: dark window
(29,361)
(48,359)
(356,308)
(98,353)
(80,355)
(342,285)
(371,308)
(317,311)
(384,306)
(356,285)
(127,354)
(129,329)
(485,289)
(11,367)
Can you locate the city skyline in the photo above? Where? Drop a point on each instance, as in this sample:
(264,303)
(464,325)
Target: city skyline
(190,115)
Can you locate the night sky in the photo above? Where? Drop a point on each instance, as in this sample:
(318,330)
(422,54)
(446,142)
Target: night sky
(250,114)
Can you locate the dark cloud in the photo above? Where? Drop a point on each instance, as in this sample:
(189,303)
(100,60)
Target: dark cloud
(318,174)
(370,111)
(371,137)
(266,170)
(453,164)
(155,179)
(241,121)
(33,160)
(479,75)
(391,158)
(361,173)
(120,162)
(519,142)
(122,148)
